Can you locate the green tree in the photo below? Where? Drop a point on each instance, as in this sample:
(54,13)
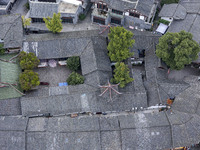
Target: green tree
(73,63)
(27,6)
(28,79)
(28,61)
(120,43)
(75,78)
(2,50)
(54,24)
(177,49)
(121,74)
(26,22)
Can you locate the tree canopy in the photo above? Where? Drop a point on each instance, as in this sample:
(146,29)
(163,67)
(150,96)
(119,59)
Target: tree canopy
(2,50)
(75,78)
(73,63)
(28,79)
(28,61)
(54,24)
(26,22)
(177,49)
(121,74)
(120,43)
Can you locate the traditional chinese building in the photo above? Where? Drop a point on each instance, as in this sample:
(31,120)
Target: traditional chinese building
(136,13)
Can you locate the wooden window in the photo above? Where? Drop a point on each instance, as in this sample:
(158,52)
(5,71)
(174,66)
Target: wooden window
(67,20)
(102,6)
(117,12)
(99,20)
(134,14)
(116,21)
(40,20)
(52,1)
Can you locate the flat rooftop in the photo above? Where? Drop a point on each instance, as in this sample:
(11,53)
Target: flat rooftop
(65,7)
(75,2)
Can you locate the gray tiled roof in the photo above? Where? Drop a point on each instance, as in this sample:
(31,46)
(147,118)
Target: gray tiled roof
(87,44)
(41,9)
(80,102)
(118,4)
(185,24)
(48,46)
(180,13)
(10,107)
(187,100)
(12,132)
(157,130)
(95,67)
(96,70)
(186,17)
(12,140)
(168,10)
(189,24)
(175,11)
(184,119)
(190,5)
(140,130)
(133,131)
(143,6)
(172,88)
(11,30)
(97,77)
(95,57)
(144,40)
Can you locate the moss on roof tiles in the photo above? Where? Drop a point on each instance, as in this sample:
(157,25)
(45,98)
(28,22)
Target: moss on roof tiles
(9,73)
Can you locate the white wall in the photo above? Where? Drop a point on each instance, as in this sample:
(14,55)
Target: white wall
(170,19)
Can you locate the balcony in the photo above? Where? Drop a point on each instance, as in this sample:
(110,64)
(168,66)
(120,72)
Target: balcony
(116,15)
(100,13)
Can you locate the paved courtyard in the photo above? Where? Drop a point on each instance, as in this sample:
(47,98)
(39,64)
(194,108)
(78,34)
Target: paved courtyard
(53,75)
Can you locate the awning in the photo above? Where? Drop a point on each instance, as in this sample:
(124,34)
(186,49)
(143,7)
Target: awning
(162,28)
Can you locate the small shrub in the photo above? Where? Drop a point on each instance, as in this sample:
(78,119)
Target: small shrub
(73,63)
(82,17)
(163,21)
(54,24)
(2,50)
(75,78)
(28,61)
(28,79)
(121,74)
(27,6)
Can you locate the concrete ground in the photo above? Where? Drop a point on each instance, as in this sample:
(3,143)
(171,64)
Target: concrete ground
(179,75)
(19,8)
(53,75)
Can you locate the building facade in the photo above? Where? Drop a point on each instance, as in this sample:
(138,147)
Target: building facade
(69,9)
(6,6)
(135,13)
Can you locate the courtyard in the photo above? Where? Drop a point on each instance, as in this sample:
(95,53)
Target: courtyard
(53,76)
